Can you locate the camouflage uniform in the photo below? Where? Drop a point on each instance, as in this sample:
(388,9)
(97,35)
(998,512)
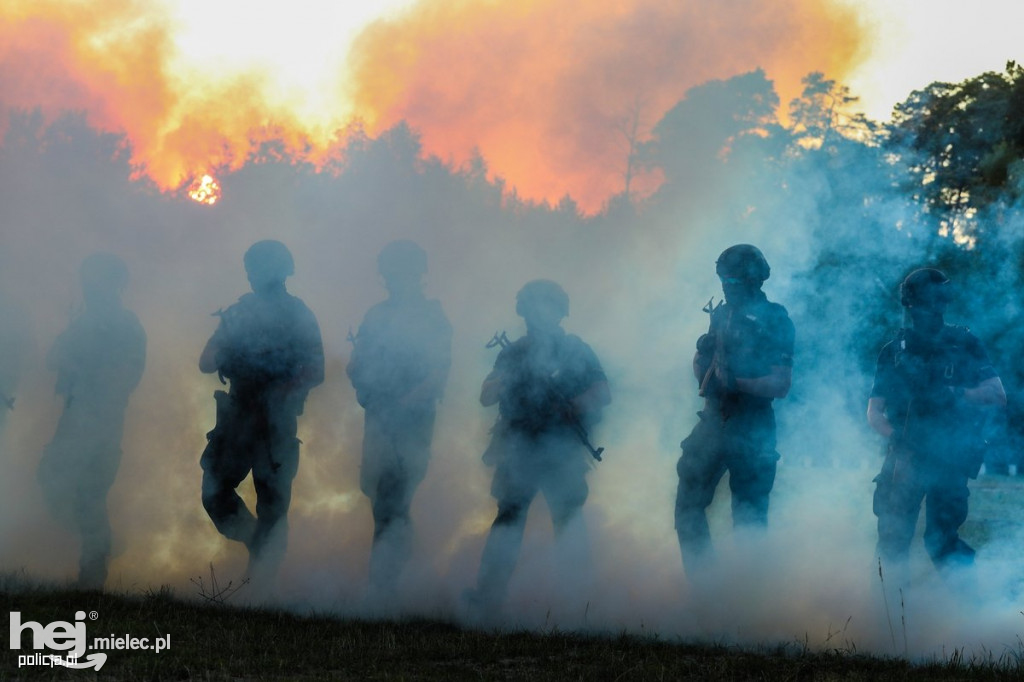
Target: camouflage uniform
(271,351)
(535,447)
(936,443)
(99,360)
(736,431)
(398,368)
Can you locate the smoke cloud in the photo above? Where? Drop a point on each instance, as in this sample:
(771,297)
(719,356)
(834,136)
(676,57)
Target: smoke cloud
(636,282)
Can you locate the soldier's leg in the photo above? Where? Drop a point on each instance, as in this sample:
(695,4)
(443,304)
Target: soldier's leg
(501,552)
(700,469)
(897,504)
(514,488)
(59,478)
(565,500)
(94,530)
(751,479)
(226,462)
(83,476)
(226,509)
(272,477)
(392,534)
(945,511)
(566,491)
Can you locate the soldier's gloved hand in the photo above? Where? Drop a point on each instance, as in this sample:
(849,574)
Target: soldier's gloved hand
(706,344)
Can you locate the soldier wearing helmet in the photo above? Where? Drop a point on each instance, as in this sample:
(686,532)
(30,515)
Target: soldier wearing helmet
(932,383)
(99,360)
(399,367)
(742,364)
(544,383)
(268,347)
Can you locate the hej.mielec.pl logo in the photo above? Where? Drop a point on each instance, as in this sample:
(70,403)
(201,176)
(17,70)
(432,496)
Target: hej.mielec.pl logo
(70,642)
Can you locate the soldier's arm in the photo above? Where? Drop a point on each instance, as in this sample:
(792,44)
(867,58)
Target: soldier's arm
(310,374)
(773,385)
(313,369)
(208,358)
(310,370)
(504,367)
(876,417)
(700,364)
(57,357)
(490,392)
(703,357)
(594,398)
(988,392)
(778,344)
(132,358)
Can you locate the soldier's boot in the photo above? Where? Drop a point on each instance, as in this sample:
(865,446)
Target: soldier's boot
(389,555)
(92,574)
(92,566)
(94,530)
(392,534)
(266,553)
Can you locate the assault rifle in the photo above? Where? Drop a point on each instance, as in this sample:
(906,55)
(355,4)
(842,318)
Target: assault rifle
(501,340)
(712,385)
(717,360)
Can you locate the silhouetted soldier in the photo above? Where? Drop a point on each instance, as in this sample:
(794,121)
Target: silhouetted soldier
(742,363)
(548,385)
(399,367)
(268,346)
(929,385)
(99,360)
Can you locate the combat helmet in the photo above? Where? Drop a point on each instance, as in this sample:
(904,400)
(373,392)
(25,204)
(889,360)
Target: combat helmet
(925,288)
(402,259)
(744,262)
(268,262)
(103,273)
(542,293)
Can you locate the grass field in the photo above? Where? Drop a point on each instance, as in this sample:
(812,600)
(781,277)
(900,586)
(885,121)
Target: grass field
(218,641)
(212,638)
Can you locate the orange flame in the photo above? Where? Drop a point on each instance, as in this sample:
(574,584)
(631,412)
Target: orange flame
(546,89)
(204,190)
(552,93)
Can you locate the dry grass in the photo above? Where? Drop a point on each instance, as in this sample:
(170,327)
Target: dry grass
(218,641)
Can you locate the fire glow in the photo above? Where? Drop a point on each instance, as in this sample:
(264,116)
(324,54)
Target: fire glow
(543,90)
(205,190)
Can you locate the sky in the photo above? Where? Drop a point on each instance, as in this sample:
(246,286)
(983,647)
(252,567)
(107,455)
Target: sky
(541,89)
(545,91)
(911,44)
